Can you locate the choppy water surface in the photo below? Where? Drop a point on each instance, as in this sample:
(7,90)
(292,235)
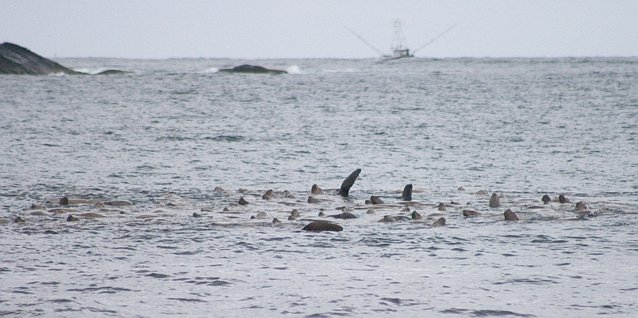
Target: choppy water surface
(164,136)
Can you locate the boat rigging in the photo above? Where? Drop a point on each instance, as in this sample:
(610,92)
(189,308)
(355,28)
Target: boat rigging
(398,48)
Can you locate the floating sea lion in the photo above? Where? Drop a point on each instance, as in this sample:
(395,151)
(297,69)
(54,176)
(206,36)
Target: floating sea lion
(394,218)
(316,189)
(495,202)
(275,221)
(376,200)
(71,218)
(439,222)
(294,215)
(268,195)
(92,215)
(406,209)
(343,215)
(313,200)
(546,199)
(67,201)
(581,206)
(196,215)
(261,215)
(470,213)
(19,219)
(242,201)
(320,225)
(348,182)
(563,199)
(416,215)
(510,215)
(35,206)
(407,193)
(441,206)
(118,203)
(39,213)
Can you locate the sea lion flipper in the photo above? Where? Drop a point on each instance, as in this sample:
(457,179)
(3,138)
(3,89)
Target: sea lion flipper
(407,193)
(348,182)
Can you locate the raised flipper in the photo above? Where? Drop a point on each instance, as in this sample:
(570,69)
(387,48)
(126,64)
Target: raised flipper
(407,193)
(348,182)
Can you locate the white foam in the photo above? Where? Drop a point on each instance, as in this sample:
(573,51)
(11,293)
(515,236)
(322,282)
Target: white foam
(210,70)
(293,69)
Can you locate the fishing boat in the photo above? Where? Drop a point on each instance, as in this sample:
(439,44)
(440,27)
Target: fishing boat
(399,50)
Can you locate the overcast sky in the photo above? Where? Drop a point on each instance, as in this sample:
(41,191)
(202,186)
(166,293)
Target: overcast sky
(303,28)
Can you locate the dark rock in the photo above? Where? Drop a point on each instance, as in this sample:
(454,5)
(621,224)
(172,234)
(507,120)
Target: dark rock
(15,59)
(112,72)
(252,69)
(319,226)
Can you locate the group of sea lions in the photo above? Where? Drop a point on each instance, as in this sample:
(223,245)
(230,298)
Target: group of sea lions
(69,207)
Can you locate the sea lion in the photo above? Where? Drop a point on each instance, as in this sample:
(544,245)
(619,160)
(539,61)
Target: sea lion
(470,213)
(441,207)
(242,201)
(91,215)
(495,202)
(416,215)
(118,203)
(376,200)
(343,215)
(320,225)
(581,206)
(268,195)
(196,215)
(67,201)
(71,218)
(294,215)
(407,193)
(19,219)
(261,215)
(394,218)
(275,221)
(563,199)
(546,199)
(406,209)
(439,222)
(313,200)
(348,182)
(35,206)
(510,215)
(316,189)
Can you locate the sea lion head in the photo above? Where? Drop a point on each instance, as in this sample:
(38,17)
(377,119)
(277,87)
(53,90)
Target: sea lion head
(510,215)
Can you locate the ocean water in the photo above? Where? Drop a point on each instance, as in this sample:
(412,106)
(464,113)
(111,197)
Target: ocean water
(175,137)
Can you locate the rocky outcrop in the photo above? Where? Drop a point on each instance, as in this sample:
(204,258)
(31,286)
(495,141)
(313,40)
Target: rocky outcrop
(252,69)
(15,59)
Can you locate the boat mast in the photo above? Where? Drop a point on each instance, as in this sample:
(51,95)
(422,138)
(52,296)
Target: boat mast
(398,40)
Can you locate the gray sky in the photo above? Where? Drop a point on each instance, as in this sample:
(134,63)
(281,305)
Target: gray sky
(302,28)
